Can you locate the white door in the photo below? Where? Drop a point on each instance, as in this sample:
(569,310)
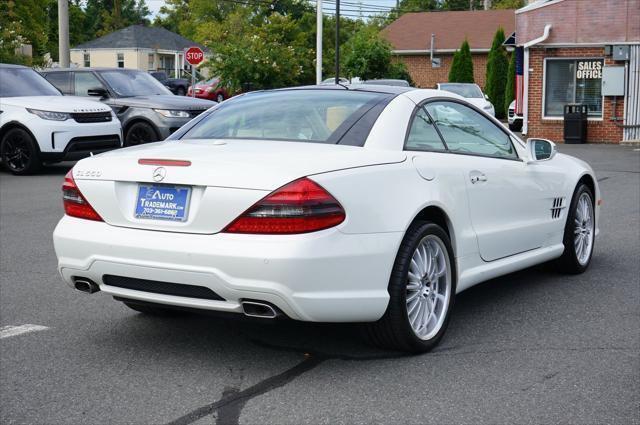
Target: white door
(507,207)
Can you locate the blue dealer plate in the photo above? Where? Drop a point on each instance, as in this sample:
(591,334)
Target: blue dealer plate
(163,202)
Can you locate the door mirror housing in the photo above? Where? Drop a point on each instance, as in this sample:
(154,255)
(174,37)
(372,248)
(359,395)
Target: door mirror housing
(541,149)
(98,92)
(486,96)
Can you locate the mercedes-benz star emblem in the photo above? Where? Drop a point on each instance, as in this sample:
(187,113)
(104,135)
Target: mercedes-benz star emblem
(159,174)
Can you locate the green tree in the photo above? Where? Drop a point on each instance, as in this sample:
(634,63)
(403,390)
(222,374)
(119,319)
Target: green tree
(462,5)
(497,68)
(462,66)
(510,88)
(368,56)
(23,22)
(507,4)
(266,56)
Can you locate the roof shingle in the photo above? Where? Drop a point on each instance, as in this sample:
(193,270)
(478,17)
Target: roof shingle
(412,31)
(141,37)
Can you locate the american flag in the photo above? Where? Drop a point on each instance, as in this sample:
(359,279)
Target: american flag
(519,79)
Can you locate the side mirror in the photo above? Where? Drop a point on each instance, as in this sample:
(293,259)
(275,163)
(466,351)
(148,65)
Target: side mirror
(486,96)
(541,149)
(98,92)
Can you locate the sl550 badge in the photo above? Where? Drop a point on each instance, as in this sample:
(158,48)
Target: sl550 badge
(87,173)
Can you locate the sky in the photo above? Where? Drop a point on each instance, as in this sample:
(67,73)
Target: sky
(349,8)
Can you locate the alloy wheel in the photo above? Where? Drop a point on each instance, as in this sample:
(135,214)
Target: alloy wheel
(428,287)
(583,229)
(16,153)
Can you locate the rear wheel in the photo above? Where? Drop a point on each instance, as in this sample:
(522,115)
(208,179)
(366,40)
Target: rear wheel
(220,98)
(181,91)
(579,232)
(421,291)
(151,309)
(19,153)
(140,132)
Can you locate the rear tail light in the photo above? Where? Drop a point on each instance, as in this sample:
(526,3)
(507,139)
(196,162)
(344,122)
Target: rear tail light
(301,206)
(75,205)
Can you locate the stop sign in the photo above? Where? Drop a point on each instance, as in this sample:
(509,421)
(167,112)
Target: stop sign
(194,55)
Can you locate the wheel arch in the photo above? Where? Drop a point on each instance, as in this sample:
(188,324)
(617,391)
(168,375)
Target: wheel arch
(127,126)
(16,124)
(437,215)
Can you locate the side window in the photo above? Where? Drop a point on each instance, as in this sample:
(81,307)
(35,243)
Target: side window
(423,135)
(465,130)
(85,81)
(62,81)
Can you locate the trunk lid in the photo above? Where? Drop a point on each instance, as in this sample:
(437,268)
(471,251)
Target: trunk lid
(225,177)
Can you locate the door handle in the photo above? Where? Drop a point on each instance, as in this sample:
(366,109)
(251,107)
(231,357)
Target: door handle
(479,177)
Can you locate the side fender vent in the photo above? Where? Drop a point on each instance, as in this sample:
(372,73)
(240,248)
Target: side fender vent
(558,206)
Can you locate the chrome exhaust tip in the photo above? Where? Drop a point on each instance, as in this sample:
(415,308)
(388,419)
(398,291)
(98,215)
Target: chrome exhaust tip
(85,285)
(258,309)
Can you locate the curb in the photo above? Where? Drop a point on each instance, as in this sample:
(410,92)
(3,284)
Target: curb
(634,143)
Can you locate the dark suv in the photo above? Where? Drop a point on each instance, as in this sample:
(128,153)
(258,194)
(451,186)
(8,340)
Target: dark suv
(148,110)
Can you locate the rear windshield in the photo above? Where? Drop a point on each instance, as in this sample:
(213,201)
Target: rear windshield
(16,82)
(320,116)
(470,91)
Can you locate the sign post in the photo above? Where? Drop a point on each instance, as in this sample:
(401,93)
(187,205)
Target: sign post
(194,56)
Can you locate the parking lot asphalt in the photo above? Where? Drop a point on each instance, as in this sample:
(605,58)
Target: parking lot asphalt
(531,347)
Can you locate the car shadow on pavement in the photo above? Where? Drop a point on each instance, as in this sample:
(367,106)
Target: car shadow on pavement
(476,323)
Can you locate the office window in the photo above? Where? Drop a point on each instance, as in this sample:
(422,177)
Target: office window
(573,81)
(151,62)
(87,60)
(120,60)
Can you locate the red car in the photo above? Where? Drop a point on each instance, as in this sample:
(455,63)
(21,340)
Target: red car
(211,90)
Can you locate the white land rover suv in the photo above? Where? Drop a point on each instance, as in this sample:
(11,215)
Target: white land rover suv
(39,125)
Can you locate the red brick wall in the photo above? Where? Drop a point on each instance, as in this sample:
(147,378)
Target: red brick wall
(605,131)
(426,77)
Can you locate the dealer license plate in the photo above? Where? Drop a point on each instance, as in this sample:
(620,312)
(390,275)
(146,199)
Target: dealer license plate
(163,202)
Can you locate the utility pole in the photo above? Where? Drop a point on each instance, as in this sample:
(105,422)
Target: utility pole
(487,4)
(337,41)
(319,33)
(63,33)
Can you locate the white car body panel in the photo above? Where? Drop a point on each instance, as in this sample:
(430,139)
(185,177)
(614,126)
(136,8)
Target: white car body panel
(51,136)
(334,275)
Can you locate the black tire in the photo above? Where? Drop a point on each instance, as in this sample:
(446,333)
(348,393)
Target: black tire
(139,133)
(152,309)
(393,330)
(19,152)
(569,262)
(516,126)
(181,91)
(220,98)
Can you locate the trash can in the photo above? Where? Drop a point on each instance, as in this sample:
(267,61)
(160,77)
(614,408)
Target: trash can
(575,123)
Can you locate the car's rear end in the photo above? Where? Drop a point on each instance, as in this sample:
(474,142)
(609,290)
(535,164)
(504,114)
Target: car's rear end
(232,222)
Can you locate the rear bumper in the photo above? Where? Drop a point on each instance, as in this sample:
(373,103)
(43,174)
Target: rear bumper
(325,276)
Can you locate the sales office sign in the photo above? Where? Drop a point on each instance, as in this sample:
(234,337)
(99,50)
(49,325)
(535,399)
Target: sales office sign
(589,70)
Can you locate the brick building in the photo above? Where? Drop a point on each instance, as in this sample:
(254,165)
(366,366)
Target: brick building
(411,37)
(585,52)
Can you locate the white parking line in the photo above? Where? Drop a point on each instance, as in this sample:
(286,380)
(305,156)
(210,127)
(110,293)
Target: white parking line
(7,331)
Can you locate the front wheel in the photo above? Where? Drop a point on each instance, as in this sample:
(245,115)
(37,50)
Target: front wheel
(138,133)
(181,91)
(579,232)
(516,126)
(421,292)
(220,98)
(19,153)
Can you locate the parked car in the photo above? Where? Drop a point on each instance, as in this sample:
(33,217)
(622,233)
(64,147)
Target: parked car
(38,124)
(148,110)
(514,120)
(388,82)
(211,89)
(326,204)
(472,93)
(332,80)
(177,86)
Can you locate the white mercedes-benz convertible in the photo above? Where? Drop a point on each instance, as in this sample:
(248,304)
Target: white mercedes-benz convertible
(326,204)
